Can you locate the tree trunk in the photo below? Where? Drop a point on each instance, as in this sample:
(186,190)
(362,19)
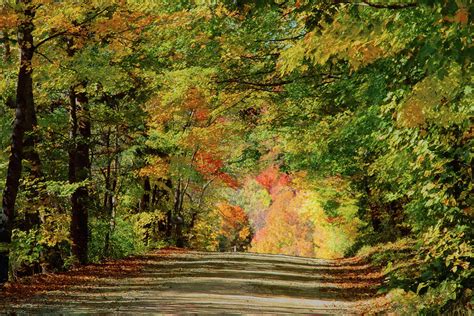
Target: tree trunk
(32,217)
(108,195)
(79,171)
(178,211)
(145,203)
(6,46)
(111,217)
(171,214)
(371,206)
(111,185)
(154,195)
(160,200)
(107,176)
(24,104)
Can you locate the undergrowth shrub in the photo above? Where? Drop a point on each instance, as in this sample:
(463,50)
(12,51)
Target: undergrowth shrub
(25,251)
(147,228)
(428,276)
(123,240)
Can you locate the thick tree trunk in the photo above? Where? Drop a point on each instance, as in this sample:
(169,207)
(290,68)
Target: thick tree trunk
(145,202)
(34,196)
(24,106)
(79,171)
(32,217)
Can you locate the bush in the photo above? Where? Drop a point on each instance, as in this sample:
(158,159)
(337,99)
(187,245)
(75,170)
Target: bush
(123,240)
(430,276)
(25,251)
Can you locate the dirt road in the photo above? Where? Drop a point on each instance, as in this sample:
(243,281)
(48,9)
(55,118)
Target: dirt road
(174,281)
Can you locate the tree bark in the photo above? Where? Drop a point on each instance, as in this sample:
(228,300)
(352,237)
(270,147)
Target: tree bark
(79,171)
(6,46)
(161,200)
(145,202)
(371,206)
(24,106)
(111,186)
(32,217)
(178,212)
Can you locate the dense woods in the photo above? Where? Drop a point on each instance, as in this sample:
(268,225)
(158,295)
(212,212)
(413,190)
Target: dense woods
(313,128)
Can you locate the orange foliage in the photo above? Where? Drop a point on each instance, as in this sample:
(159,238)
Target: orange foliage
(286,231)
(272,179)
(210,166)
(229,180)
(193,99)
(207,164)
(197,103)
(122,24)
(296,223)
(235,225)
(461,16)
(201,114)
(7,19)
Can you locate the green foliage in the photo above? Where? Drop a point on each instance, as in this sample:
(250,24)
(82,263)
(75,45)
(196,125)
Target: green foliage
(145,227)
(62,189)
(453,247)
(389,108)
(370,104)
(427,276)
(123,240)
(26,250)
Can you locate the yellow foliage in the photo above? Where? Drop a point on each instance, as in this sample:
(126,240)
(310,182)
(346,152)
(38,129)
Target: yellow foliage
(205,233)
(157,168)
(429,99)
(343,38)
(54,227)
(297,224)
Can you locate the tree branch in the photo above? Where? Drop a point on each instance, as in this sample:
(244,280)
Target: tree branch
(257,84)
(45,57)
(276,83)
(282,39)
(53,36)
(381,5)
(390,5)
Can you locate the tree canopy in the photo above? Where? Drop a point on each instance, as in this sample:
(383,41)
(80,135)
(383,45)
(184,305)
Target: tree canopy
(314,128)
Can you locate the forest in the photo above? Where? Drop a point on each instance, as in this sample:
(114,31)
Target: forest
(315,128)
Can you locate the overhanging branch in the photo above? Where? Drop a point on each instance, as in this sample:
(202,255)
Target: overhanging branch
(389,5)
(57,34)
(381,5)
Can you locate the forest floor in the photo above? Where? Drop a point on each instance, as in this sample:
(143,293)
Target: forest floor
(174,281)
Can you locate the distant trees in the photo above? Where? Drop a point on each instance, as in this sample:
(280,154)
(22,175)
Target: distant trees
(235,231)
